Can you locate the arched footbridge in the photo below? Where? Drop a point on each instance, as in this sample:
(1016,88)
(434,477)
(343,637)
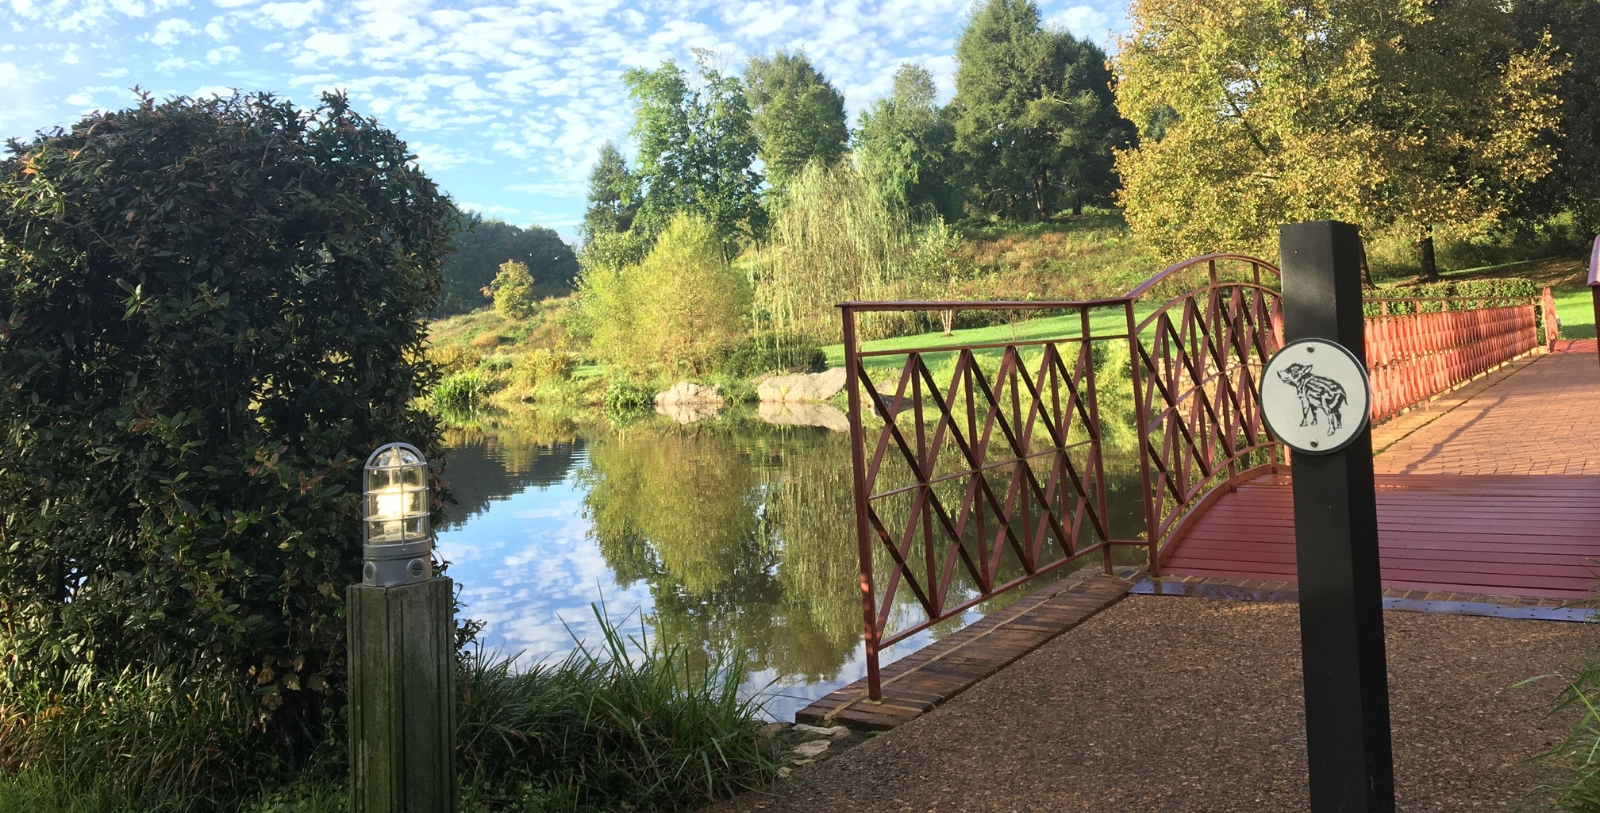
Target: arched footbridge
(1127,432)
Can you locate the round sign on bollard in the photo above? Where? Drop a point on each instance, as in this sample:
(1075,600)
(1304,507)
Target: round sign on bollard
(1315,396)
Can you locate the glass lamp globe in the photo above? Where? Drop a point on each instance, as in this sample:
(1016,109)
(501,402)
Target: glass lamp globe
(398,537)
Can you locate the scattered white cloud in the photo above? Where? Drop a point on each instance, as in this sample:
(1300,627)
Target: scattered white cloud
(169,32)
(292,15)
(212,91)
(486,208)
(505,101)
(438,158)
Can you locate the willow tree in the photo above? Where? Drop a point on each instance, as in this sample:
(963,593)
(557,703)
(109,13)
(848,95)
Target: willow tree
(1389,113)
(833,238)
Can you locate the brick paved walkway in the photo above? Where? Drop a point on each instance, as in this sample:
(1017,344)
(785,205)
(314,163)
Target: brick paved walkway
(1542,419)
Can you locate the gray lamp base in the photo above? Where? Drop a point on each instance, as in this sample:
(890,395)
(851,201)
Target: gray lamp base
(402,697)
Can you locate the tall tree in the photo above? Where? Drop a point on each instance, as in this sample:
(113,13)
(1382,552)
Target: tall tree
(484,245)
(697,149)
(797,114)
(1573,184)
(905,142)
(613,195)
(1388,113)
(1034,115)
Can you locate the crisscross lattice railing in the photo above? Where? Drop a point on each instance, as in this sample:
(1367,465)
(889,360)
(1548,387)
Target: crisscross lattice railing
(1197,404)
(980,466)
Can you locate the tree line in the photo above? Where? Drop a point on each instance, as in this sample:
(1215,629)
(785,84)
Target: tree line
(1031,130)
(1213,123)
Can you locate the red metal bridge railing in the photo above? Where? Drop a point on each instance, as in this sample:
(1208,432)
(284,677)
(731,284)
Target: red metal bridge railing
(978,467)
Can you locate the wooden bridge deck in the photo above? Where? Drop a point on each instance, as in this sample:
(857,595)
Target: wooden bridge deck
(1494,496)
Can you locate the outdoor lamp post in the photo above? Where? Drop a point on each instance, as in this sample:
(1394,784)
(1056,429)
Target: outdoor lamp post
(398,539)
(401,642)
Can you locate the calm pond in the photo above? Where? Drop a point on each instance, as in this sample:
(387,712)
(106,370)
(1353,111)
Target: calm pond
(728,537)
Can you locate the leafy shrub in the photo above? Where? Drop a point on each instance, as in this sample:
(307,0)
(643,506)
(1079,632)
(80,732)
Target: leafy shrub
(1470,292)
(214,311)
(679,310)
(623,395)
(467,390)
(773,354)
(454,359)
(514,291)
(540,366)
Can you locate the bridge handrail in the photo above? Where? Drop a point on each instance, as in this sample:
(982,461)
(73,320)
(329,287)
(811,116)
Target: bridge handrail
(1594,282)
(1142,288)
(1594,264)
(1002,474)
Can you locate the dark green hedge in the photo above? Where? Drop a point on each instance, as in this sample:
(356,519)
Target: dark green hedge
(1467,293)
(210,313)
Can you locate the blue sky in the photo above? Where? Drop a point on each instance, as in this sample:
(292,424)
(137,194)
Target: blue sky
(505,102)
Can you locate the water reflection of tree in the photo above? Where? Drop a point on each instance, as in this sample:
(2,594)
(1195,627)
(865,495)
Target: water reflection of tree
(742,532)
(497,457)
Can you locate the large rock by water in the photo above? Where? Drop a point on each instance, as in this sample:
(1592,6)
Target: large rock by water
(827,416)
(687,403)
(687,394)
(805,387)
(689,413)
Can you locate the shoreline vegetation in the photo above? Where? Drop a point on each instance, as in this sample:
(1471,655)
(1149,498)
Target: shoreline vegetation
(542,361)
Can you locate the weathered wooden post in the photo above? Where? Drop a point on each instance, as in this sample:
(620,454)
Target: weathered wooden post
(1316,399)
(402,652)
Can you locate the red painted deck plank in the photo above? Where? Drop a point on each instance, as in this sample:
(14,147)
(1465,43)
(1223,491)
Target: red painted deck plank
(1521,535)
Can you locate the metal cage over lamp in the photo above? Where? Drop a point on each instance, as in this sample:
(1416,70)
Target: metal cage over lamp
(397,536)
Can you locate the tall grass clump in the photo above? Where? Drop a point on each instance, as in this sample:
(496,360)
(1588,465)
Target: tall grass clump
(623,727)
(466,390)
(1577,757)
(146,741)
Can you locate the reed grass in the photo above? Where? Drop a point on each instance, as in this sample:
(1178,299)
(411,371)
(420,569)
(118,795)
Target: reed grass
(625,726)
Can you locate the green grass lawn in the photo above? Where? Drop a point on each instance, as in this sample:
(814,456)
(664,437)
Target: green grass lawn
(1565,276)
(1575,307)
(1102,322)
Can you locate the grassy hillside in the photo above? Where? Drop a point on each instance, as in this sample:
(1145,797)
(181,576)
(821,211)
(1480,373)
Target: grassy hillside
(1083,258)
(1090,257)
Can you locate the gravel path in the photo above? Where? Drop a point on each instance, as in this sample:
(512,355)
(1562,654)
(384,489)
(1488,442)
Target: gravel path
(1186,704)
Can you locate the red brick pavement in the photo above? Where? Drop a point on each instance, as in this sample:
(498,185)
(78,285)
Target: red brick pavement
(1541,419)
